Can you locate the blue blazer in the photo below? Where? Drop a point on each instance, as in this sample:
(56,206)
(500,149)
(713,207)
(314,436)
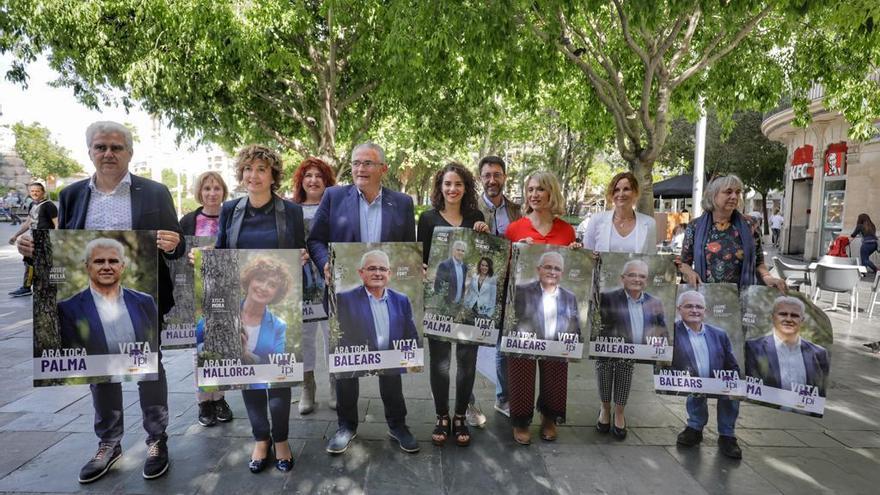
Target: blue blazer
(81,326)
(529,310)
(356,318)
(338,220)
(271,339)
(762,362)
(445,279)
(288,224)
(151,209)
(614,312)
(720,351)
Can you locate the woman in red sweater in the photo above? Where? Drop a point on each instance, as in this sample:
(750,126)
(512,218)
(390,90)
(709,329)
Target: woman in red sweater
(540,225)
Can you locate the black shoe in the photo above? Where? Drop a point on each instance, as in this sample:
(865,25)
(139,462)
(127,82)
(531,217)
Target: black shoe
(689,437)
(341,440)
(157,459)
(602,427)
(729,447)
(207,413)
(618,433)
(103,460)
(21,292)
(404,438)
(222,411)
(284,465)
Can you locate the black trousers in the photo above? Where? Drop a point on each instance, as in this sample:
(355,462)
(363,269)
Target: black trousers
(107,400)
(466,369)
(278,402)
(391,391)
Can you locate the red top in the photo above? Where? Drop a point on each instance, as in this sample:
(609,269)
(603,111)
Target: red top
(561,233)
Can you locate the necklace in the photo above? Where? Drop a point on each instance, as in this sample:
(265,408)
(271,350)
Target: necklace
(722,224)
(623,221)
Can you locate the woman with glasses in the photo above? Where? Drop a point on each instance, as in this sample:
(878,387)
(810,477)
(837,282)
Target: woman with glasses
(454,199)
(620,230)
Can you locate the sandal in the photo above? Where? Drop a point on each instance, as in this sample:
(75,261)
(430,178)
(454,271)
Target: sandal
(441,430)
(461,431)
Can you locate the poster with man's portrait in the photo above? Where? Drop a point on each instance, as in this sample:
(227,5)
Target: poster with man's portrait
(375,302)
(250,334)
(180,322)
(707,355)
(787,350)
(465,286)
(636,303)
(96,316)
(548,302)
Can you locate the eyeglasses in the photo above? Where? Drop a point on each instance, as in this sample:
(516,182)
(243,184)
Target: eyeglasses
(551,268)
(786,314)
(380,269)
(497,176)
(640,276)
(692,306)
(364,164)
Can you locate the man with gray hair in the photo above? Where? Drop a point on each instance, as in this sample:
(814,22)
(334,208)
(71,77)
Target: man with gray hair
(364,212)
(114,199)
(784,359)
(629,312)
(451,274)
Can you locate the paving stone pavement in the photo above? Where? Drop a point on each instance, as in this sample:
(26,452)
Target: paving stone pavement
(46,435)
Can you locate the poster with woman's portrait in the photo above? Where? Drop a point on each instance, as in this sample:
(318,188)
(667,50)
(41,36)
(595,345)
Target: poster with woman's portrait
(707,355)
(636,303)
(548,302)
(465,286)
(314,289)
(787,350)
(96,318)
(251,331)
(180,323)
(376,300)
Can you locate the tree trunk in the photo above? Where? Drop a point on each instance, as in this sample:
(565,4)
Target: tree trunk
(222,302)
(643,170)
(46,329)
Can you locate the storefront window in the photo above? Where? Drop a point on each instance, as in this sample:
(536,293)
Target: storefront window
(832,212)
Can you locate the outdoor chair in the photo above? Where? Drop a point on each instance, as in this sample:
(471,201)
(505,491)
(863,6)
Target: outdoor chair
(794,275)
(874,301)
(839,279)
(838,260)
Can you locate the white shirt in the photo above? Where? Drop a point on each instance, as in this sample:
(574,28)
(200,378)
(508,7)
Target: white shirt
(118,328)
(548,300)
(253,334)
(110,211)
(776,221)
(620,244)
(792,370)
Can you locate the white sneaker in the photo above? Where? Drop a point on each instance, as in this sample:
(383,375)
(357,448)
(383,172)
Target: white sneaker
(474,416)
(503,408)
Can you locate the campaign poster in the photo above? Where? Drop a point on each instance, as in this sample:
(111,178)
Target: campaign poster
(548,302)
(464,290)
(314,287)
(647,282)
(96,317)
(707,354)
(180,322)
(251,331)
(376,299)
(787,350)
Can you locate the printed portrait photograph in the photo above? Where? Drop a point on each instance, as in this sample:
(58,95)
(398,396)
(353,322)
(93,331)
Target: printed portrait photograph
(180,321)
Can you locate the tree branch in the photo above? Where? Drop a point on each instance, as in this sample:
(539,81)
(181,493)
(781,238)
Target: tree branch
(627,35)
(356,95)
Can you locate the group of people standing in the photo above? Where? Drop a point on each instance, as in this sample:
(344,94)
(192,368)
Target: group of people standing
(722,245)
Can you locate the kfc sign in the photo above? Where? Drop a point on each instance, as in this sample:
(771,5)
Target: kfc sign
(835,160)
(802,163)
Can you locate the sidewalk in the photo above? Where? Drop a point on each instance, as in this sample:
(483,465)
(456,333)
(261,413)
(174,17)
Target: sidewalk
(46,435)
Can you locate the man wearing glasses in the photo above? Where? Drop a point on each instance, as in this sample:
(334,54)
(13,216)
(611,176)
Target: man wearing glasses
(364,212)
(631,313)
(544,307)
(784,359)
(700,349)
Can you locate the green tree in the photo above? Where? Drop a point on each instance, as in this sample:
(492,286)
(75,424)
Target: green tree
(43,157)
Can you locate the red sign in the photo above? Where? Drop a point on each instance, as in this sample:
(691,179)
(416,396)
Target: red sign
(802,163)
(835,159)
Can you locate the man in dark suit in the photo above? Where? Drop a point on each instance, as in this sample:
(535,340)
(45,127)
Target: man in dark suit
(364,212)
(451,274)
(113,199)
(105,314)
(701,349)
(360,309)
(617,308)
(533,300)
(784,359)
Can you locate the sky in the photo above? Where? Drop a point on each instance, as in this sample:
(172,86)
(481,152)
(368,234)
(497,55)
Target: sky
(59,111)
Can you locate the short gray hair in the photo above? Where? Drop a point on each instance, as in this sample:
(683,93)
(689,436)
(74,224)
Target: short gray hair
(108,126)
(717,185)
(462,243)
(634,262)
(370,146)
(545,254)
(792,301)
(105,243)
(376,253)
(689,293)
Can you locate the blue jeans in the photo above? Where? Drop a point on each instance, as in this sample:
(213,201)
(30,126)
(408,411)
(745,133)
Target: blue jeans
(867,249)
(698,414)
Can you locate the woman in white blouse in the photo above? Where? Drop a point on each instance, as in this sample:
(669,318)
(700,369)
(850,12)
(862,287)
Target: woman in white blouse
(621,230)
(482,291)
